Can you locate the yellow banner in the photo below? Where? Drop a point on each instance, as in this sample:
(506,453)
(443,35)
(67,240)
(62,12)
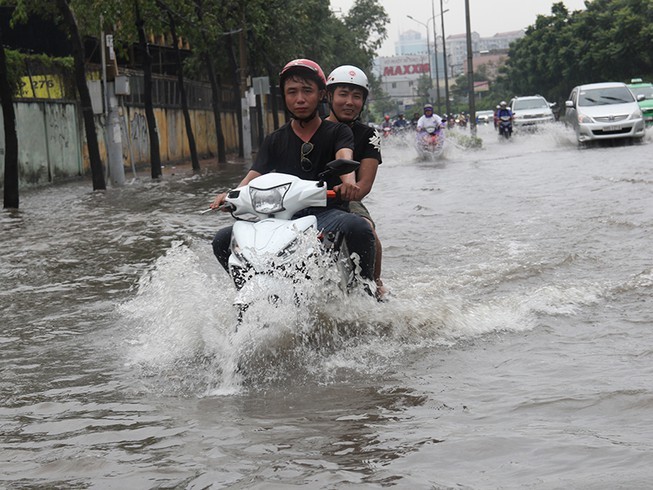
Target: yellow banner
(41,87)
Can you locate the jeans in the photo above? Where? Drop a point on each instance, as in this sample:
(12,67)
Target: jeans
(357,231)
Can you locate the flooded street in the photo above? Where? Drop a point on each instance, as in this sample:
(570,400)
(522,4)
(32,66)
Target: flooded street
(516,349)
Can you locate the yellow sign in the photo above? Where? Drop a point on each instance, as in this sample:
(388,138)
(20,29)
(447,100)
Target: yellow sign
(41,87)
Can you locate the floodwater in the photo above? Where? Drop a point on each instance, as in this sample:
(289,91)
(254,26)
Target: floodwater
(516,350)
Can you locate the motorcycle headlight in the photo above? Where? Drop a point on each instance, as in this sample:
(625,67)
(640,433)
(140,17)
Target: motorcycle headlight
(268,201)
(583,119)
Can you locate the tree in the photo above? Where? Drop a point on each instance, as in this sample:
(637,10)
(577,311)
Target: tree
(11,138)
(70,24)
(610,40)
(152,130)
(213,77)
(172,25)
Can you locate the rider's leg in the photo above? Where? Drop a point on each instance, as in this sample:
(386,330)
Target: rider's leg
(357,232)
(221,243)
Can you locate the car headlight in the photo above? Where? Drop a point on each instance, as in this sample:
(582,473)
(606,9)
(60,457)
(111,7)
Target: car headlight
(637,114)
(268,201)
(583,119)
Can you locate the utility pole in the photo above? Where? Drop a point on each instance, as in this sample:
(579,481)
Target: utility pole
(435,49)
(444,55)
(470,71)
(113,137)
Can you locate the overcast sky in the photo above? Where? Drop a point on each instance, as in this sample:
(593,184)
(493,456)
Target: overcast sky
(487,17)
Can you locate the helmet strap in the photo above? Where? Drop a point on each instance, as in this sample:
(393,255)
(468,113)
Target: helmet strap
(304,120)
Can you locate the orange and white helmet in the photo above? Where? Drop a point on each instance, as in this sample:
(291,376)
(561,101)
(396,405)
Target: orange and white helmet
(303,66)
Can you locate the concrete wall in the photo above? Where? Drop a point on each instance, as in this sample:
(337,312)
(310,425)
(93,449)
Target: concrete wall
(48,142)
(52,143)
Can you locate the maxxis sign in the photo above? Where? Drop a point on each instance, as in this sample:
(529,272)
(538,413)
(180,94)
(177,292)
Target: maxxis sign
(405,69)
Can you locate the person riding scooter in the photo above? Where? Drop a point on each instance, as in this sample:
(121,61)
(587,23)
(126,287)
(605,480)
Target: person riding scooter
(429,119)
(303,147)
(386,126)
(347,90)
(504,119)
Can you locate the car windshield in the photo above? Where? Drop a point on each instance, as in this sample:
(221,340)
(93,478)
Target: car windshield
(647,92)
(605,96)
(521,105)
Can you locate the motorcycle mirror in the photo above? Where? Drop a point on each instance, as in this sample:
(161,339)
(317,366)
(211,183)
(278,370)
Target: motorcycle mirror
(341,166)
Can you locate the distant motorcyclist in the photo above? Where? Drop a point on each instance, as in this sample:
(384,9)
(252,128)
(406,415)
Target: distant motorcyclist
(386,126)
(504,110)
(400,123)
(429,119)
(504,119)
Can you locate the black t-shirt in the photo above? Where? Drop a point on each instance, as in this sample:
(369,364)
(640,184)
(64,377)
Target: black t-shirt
(281,151)
(367,142)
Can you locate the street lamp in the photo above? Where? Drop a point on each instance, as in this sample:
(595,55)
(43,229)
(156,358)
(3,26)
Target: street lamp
(428,46)
(435,48)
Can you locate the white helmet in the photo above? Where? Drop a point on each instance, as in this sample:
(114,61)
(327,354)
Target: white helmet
(349,75)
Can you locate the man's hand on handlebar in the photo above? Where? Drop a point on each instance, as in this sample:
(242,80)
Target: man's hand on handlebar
(347,191)
(219,202)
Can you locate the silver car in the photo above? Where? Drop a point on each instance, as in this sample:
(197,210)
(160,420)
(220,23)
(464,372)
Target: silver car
(604,110)
(530,111)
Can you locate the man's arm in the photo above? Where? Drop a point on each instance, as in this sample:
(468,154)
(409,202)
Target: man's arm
(366,175)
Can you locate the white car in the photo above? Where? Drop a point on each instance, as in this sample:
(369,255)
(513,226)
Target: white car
(530,111)
(485,117)
(604,110)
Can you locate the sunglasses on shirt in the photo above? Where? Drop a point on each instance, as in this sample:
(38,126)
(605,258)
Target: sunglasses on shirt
(307,165)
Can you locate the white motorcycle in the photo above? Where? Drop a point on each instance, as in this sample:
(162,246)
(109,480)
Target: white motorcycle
(273,252)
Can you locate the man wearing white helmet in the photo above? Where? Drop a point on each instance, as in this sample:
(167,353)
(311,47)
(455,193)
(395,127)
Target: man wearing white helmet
(347,91)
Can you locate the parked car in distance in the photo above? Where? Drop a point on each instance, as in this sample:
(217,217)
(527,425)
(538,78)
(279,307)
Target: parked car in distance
(485,117)
(605,110)
(530,111)
(639,88)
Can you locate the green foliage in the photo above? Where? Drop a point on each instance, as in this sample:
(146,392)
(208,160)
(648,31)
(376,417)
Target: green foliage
(609,41)
(468,141)
(17,61)
(275,31)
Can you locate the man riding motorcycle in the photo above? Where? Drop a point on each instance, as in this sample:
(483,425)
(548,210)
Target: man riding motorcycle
(429,119)
(347,91)
(504,119)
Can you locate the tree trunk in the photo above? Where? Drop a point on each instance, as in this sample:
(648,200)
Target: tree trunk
(273,94)
(215,93)
(231,55)
(84,96)
(11,138)
(182,92)
(152,129)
